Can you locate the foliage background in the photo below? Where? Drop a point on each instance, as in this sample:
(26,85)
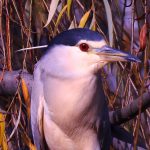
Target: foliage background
(125,24)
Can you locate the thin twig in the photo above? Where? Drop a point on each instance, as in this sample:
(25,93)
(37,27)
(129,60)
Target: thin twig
(30,48)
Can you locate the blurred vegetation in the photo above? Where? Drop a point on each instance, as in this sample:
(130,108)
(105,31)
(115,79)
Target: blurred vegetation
(125,24)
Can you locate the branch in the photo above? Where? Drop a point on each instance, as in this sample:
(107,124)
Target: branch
(127,113)
(123,140)
(8,86)
(9,81)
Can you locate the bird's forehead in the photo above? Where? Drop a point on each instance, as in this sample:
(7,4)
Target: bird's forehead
(94,44)
(74,36)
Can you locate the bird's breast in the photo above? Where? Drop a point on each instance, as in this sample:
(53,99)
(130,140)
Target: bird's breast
(73,109)
(70,100)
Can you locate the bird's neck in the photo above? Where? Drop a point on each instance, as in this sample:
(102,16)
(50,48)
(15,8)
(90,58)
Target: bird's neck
(71,101)
(76,109)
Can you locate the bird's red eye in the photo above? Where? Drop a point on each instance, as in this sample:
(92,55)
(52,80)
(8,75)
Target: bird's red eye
(84,47)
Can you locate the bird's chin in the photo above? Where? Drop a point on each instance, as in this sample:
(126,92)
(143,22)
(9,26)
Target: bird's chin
(102,63)
(99,65)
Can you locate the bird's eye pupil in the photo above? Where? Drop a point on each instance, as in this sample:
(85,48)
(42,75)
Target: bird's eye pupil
(84,47)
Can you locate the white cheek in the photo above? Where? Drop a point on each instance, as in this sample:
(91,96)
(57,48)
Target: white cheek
(70,61)
(66,61)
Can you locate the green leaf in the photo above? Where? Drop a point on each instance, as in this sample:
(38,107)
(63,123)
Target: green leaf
(52,10)
(59,17)
(69,2)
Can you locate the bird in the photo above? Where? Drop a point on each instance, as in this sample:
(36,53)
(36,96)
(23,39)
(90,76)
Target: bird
(68,106)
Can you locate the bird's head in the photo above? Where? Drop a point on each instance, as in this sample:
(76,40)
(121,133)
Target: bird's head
(82,50)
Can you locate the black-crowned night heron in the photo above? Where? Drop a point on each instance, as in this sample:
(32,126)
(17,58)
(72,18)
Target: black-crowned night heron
(68,107)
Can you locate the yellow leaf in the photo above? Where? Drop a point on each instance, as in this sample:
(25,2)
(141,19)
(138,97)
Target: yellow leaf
(93,27)
(59,17)
(69,2)
(2,128)
(26,96)
(3,141)
(27,141)
(84,19)
(52,10)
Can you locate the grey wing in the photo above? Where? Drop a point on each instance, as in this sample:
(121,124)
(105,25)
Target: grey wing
(37,99)
(104,133)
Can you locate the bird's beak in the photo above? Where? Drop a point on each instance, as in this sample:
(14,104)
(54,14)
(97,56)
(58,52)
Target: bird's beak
(109,54)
